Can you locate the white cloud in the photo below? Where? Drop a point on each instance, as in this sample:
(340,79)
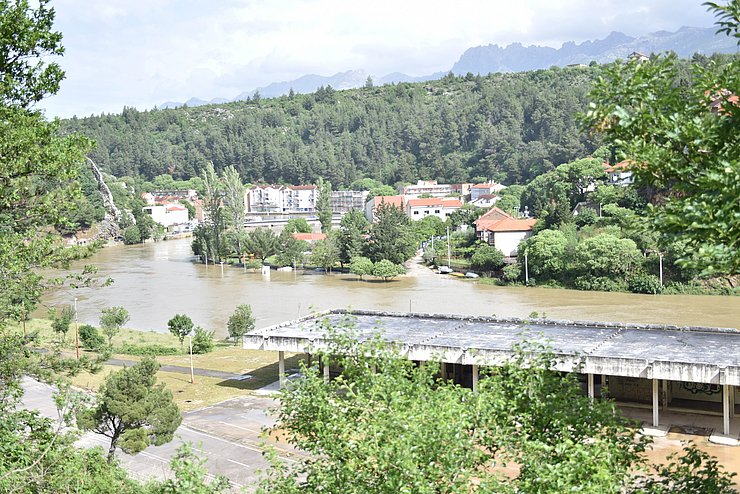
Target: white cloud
(144,52)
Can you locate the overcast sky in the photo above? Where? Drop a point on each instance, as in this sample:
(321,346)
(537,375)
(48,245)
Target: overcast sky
(142,53)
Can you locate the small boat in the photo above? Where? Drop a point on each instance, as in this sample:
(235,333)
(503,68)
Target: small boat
(470,274)
(445,270)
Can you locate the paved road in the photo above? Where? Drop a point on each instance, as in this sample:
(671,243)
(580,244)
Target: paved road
(182,369)
(226,434)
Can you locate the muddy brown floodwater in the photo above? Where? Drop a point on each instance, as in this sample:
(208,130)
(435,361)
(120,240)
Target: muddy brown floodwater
(158,280)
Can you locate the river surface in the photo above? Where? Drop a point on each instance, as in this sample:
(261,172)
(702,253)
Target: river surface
(155,281)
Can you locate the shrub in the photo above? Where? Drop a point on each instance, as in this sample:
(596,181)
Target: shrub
(202,340)
(487,258)
(91,338)
(132,235)
(512,272)
(600,283)
(147,350)
(644,283)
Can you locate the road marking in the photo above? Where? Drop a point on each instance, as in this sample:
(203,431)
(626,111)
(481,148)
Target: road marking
(256,450)
(240,427)
(237,462)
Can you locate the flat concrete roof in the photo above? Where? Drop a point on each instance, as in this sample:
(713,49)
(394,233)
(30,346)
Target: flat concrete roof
(695,354)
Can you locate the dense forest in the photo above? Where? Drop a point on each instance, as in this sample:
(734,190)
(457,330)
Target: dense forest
(509,127)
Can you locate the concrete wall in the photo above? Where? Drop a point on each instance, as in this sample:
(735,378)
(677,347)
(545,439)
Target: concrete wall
(508,242)
(630,389)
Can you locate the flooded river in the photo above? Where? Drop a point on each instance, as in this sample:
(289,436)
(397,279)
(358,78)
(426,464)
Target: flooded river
(158,280)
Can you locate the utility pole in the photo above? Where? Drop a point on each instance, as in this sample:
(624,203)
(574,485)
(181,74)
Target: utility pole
(448,247)
(23,316)
(77,332)
(660,257)
(526,269)
(192,374)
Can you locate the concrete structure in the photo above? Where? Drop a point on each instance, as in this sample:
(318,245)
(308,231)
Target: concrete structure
(417,209)
(280,199)
(343,201)
(664,367)
(168,196)
(503,231)
(168,215)
(372,205)
(485,200)
(430,187)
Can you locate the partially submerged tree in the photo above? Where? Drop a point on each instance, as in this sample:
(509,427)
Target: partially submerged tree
(132,410)
(240,322)
(262,243)
(361,266)
(323,204)
(387,270)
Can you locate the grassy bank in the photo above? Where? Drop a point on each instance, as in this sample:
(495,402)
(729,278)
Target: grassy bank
(225,357)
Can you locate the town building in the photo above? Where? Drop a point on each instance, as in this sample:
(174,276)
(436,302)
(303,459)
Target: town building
(280,199)
(417,209)
(429,188)
(168,215)
(375,202)
(168,196)
(664,368)
(478,190)
(309,237)
(503,231)
(343,201)
(485,201)
(619,174)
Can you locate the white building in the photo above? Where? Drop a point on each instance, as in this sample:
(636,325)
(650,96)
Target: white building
(427,187)
(342,201)
(503,231)
(280,199)
(478,190)
(168,214)
(417,209)
(619,174)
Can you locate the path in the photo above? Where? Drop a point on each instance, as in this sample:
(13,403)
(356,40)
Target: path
(183,370)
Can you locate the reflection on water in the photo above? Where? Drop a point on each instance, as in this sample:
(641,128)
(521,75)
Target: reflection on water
(158,280)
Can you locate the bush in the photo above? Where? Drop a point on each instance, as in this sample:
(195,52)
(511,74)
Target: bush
(512,272)
(132,235)
(599,283)
(644,283)
(147,350)
(202,340)
(487,258)
(91,338)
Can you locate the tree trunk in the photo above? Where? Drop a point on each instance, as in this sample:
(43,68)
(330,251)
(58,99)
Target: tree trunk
(112,448)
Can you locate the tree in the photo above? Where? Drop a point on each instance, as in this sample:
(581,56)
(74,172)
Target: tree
(214,221)
(607,255)
(112,320)
(402,426)
(325,253)
(60,321)
(290,250)
(546,253)
(191,476)
(297,225)
(241,322)
(202,340)
(390,236)
(351,239)
(132,235)
(323,204)
(487,258)
(683,143)
(91,338)
(386,269)
(233,200)
(180,326)
(361,266)
(132,410)
(261,243)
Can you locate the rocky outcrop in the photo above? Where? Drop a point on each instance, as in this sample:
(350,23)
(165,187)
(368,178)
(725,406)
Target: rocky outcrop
(110,228)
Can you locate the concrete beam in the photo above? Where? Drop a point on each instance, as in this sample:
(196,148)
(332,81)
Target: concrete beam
(475,378)
(591,390)
(281,368)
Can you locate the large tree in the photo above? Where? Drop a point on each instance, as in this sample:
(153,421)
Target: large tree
(352,230)
(233,200)
(682,138)
(262,243)
(391,236)
(323,204)
(132,410)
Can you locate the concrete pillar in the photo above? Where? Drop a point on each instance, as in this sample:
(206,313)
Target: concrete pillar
(443,371)
(655,403)
(475,378)
(732,401)
(726,409)
(281,368)
(326,370)
(591,390)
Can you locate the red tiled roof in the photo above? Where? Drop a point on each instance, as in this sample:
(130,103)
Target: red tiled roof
(482,186)
(302,187)
(493,214)
(309,237)
(430,202)
(507,225)
(621,166)
(174,207)
(397,201)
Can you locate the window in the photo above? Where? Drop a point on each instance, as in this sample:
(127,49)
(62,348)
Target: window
(436,211)
(416,212)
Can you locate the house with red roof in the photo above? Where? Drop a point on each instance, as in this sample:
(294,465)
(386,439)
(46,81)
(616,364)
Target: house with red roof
(309,237)
(442,208)
(620,173)
(168,215)
(487,189)
(503,231)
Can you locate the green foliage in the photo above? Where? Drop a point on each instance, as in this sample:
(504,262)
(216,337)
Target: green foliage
(681,135)
(262,243)
(607,255)
(487,258)
(351,241)
(202,340)
(209,239)
(91,338)
(325,253)
(546,253)
(599,283)
(323,204)
(290,250)
(297,225)
(386,269)
(693,471)
(644,283)
(131,408)
(233,203)
(151,350)
(361,266)
(61,318)
(180,326)
(132,235)
(390,236)
(512,272)
(240,322)
(427,227)
(191,476)
(112,319)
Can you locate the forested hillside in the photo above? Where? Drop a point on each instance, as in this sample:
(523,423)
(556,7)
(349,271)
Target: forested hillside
(510,127)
